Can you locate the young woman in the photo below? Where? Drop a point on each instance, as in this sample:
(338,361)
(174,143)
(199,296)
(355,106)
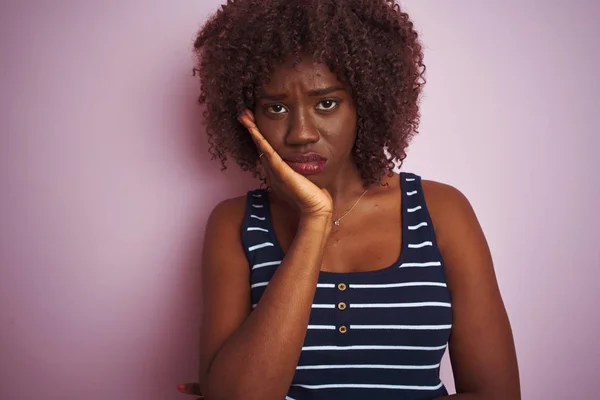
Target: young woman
(340,279)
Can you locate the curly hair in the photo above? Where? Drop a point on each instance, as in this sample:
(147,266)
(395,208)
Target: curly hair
(370,44)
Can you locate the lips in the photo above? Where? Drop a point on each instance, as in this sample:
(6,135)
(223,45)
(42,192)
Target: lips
(306,163)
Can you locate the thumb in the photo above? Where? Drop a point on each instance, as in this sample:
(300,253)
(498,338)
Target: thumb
(327,194)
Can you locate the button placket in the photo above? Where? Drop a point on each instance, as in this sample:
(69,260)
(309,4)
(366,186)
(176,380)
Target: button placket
(341,310)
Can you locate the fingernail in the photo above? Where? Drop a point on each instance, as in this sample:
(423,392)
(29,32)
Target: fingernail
(180,387)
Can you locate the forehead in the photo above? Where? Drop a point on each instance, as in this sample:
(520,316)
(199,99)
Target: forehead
(307,74)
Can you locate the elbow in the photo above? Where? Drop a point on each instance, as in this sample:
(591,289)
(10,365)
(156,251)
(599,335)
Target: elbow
(489,394)
(218,388)
(236,394)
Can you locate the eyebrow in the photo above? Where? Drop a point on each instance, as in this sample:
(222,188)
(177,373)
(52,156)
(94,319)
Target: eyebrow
(312,93)
(324,91)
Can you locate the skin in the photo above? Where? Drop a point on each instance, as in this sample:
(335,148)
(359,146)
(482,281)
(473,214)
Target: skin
(292,119)
(481,344)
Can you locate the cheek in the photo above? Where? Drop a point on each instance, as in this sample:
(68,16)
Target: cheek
(345,130)
(272,130)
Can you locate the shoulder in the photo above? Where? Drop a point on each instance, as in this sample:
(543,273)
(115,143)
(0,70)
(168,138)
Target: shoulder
(229,208)
(227,215)
(452,214)
(223,252)
(444,200)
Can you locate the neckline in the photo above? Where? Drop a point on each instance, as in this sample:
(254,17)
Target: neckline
(393,266)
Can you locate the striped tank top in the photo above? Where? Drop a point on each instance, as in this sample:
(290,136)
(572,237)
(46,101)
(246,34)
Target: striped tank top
(378,334)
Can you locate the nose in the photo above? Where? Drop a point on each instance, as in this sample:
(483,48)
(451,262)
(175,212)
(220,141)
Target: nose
(301,129)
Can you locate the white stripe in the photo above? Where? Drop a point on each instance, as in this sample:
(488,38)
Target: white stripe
(410,179)
(400,305)
(323,306)
(260,246)
(265,264)
(255,228)
(411,210)
(411,193)
(366,366)
(415,227)
(257,217)
(259,284)
(402,327)
(370,347)
(257,195)
(288,398)
(257,205)
(425,264)
(419,245)
(327,327)
(394,285)
(326,285)
(368,386)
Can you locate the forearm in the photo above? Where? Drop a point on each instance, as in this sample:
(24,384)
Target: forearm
(259,359)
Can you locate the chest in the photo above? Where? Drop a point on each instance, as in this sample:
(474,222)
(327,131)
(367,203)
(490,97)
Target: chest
(369,239)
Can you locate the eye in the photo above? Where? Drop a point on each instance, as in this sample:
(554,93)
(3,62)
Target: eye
(327,105)
(276,109)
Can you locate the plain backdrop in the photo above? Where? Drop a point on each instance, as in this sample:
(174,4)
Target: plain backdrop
(106,183)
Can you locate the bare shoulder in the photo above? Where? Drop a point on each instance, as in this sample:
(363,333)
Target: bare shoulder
(223,256)
(228,213)
(442,198)
(442,193)
(451,213)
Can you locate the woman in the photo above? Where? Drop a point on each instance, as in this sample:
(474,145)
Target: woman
(342,280)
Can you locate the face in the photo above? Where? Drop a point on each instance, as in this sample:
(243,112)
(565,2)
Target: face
(309,118)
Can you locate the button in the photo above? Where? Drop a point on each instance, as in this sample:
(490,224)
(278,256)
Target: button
(342,306)
(342,329)
(342,287)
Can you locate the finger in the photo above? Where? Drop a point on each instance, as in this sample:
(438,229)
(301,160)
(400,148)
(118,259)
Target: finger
(190,388)
(269,176)
(247,119)
(274,166)
(258,138)
(250,115)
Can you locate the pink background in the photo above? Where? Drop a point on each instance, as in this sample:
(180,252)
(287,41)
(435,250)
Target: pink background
(105,185)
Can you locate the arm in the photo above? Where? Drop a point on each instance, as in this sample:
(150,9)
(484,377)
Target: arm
(482,350)
(254,355)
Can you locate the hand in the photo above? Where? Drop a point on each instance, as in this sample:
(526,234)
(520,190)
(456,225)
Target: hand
(190,388)
(307,197)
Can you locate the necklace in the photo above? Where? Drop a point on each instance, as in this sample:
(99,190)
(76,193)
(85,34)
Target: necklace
(336,222)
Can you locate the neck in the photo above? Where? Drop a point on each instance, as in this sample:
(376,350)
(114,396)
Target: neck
(345,188)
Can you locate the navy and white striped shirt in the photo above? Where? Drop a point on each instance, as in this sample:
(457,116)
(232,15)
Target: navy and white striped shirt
(378,334)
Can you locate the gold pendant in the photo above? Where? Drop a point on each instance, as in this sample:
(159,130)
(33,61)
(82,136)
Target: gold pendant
(336,222)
